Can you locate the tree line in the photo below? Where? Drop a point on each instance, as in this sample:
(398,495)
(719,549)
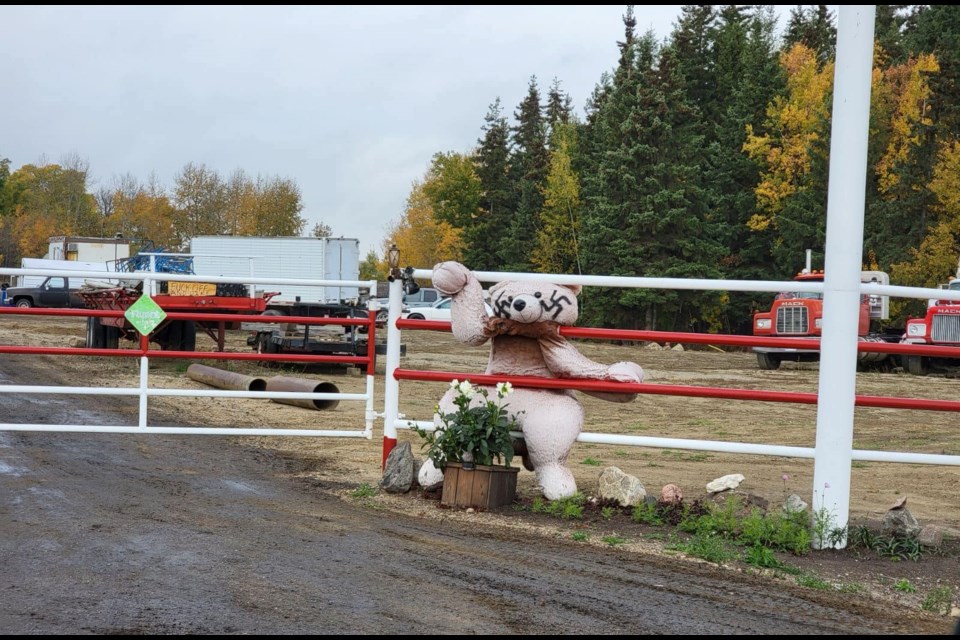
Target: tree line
(54,199)
(706,155)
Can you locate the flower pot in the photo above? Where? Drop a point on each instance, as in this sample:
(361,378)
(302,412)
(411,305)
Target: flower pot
(482,487)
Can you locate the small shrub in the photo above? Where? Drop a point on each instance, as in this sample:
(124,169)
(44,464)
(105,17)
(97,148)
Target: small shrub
(580,536)
(363,491)
(570,508)
(709,547)
(760,556)
(591,462)
(938,600)
(606,513)
(614,540)
(646,513)
(904,586)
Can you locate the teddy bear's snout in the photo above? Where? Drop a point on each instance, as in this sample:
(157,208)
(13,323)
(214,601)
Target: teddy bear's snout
(519,305)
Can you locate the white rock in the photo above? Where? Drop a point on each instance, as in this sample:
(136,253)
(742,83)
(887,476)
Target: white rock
(731,481)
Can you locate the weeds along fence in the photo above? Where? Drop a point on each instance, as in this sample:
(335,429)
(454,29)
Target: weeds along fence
(828,377)
(145,353)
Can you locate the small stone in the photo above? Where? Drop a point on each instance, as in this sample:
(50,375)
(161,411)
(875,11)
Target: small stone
(677,347)
(671,494)
(930,536)
(731,481)
(794,504)
(398,470)
(469,509)
(899,503)
(653,346)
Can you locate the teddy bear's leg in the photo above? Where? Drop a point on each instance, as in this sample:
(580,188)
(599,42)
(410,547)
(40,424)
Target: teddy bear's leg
(551,423)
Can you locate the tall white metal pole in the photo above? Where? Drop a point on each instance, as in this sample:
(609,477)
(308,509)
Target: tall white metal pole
(391,386)
(842,264)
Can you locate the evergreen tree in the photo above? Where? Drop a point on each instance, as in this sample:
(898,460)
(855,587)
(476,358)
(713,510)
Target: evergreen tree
(559,107)
(484,237)
(815,28)
(935,29)
(528,168)
(890,23)
(749,75)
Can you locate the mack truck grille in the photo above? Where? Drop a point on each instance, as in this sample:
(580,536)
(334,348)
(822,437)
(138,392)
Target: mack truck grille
(946,328)
(792,320)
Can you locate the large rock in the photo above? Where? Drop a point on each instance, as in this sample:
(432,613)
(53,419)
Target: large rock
(398,470)
(627,490)
(900,523)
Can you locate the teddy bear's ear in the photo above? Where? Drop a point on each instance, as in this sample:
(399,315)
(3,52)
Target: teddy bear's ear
(575,288)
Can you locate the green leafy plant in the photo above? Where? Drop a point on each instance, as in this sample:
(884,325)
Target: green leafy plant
(580,536)
(477,432)
(592,462)
(904,586)
(614,540)
(606,512)
(569,508)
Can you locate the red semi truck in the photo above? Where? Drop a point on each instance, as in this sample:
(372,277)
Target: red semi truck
(800,315)
(941,327)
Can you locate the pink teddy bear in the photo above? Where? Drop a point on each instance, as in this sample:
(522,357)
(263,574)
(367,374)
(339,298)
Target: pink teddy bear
(525,341)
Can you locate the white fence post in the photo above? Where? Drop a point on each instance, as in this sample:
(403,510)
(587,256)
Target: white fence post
(842,265)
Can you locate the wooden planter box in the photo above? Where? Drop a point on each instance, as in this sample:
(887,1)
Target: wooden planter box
(480,487)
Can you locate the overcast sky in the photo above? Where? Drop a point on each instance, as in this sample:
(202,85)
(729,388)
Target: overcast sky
(350,102)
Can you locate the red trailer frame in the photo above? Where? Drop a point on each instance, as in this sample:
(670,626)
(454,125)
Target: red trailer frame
(120,299)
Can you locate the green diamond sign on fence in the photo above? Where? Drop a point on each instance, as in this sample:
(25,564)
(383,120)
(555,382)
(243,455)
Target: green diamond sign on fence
(145,314)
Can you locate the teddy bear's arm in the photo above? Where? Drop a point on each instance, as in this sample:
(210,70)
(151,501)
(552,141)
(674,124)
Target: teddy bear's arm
(467,313)
(565,361)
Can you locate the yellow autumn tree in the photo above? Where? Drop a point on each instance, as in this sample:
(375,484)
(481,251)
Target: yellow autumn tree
(794,123)
(945,185)
(907,92)
(557,249)
(422,239)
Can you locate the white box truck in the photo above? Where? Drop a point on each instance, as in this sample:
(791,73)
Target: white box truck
(282,257)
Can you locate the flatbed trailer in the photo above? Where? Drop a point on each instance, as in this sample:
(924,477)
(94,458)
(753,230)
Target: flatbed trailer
(171,335)
(328,339)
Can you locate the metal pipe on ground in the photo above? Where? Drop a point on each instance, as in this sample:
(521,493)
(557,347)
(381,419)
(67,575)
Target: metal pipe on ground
(225,379)
(286,383)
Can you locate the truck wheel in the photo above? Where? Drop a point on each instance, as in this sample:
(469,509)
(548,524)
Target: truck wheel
(768,361)
(418,316)
(916,365)
(24,303)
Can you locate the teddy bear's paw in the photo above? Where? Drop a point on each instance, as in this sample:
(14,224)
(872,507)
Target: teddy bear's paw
(625,372)
(556,482)
(450,277)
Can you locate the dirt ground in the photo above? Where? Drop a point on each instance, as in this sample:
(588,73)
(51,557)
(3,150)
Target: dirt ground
(931,492)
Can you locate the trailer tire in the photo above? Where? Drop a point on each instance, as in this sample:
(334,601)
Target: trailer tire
(916,365)
(111,336)
(188,335)
(95,334)
(169,339)
(768,361)
(265,343)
